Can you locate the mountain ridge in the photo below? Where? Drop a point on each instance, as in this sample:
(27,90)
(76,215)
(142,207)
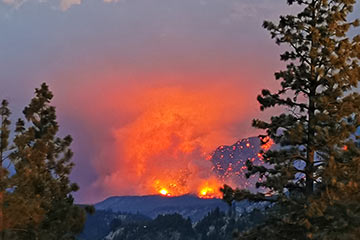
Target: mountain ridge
(153,205)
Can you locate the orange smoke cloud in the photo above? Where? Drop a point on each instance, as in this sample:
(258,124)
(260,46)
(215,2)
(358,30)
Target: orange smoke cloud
(163,150)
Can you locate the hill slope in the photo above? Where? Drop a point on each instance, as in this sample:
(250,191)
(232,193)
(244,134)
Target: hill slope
(153,205)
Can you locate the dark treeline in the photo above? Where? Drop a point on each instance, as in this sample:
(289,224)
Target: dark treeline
(124,226)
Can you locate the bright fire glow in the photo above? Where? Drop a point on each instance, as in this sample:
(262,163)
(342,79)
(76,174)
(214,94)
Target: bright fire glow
(166,146)
(268,142)
(168,142)
(210,189)
(164,192)
(206,191)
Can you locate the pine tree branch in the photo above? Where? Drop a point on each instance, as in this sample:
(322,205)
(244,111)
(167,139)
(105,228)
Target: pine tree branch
(297,116)
(26,231)
(298,157)
(300,170)
(303,58)
(288,102)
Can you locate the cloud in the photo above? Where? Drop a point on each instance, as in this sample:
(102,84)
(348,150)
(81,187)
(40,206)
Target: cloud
(240,9)
(66,4)
(14,3)
(62,5)
(253,9)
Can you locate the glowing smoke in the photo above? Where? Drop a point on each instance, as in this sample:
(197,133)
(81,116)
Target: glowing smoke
(164,149)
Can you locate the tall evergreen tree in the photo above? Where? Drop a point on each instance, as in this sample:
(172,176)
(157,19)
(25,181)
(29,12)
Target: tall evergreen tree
(314,176)
(4,151)
(39,204)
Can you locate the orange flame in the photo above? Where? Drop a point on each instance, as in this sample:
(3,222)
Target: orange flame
(164,192)
(267,143)
(206,192)
(168,185)
(210,189)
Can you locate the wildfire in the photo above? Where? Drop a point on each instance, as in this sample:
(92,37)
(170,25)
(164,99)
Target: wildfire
(267,143)
(171,183)
(210,189)
(164,192)
(207,192)
(175,182)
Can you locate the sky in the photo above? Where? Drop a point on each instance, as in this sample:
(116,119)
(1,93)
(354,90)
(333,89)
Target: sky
(145,87)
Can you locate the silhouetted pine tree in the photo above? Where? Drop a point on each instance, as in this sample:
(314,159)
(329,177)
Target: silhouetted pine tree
(314,177)
(38,203)
(4,153)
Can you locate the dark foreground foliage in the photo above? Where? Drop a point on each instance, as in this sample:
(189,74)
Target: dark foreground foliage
(214,226)
(36,201)
(314,174)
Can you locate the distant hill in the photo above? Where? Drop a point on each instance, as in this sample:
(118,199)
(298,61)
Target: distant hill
(187,205)
(164,218)
(229,162)
(136,210)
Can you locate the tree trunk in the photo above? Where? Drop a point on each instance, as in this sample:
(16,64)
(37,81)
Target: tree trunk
(310,151)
